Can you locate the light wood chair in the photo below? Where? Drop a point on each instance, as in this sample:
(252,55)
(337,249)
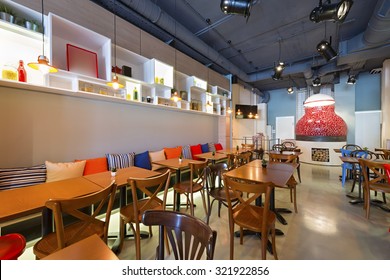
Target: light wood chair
(292,183)
(190,238)
(375,179)
(83,224)
(145,197)
(193,185)
(249,216)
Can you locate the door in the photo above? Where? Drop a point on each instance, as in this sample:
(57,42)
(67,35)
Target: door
(285,128)
(368,129)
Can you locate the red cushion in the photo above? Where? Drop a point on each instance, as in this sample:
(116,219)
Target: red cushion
(195,150)
(12,246)
(387,169)
(95,165)
(218,146)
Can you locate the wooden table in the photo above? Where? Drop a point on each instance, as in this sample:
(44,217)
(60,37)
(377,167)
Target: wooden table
(178,166)
(233,151)
(90,248)
(213,158)
(287,155)
(21,202)
(121,180)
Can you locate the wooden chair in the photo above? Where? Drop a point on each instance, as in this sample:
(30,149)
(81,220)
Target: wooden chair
(144,193)
(86,223)
(190,238)
(243,158)
(289,146)
(215,188)
(193,185)
(292,183)
(248,216)
(351,147)
(356,169)
(231,161)
(247,146)
(375,179)
(277,147)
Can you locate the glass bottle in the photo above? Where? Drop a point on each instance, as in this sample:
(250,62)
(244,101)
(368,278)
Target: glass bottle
(22,74)
(135,94)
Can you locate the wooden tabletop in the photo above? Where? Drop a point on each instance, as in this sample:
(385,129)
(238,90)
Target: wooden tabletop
(19,202)
(90,248)
(174,163)
(122,175)
(234,151)
(210,156)
(277,173)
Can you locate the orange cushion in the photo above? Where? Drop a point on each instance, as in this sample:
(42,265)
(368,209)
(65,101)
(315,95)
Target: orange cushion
(195,150)
(172,152)
(95,165)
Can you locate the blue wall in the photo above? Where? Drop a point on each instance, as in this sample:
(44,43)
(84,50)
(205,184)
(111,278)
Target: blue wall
(365,95)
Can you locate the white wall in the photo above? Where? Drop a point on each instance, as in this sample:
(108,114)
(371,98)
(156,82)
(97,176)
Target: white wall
(36,126)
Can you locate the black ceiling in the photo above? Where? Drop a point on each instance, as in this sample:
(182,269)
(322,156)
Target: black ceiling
(248,48)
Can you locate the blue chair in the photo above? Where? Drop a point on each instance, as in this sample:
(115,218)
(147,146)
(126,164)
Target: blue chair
(345,167)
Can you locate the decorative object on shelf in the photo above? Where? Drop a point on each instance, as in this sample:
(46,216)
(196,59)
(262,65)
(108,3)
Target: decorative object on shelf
(115,80)
(126,71)
(7,14)
(81,61)
(43,64)
(9,72)
(30,25)
(175,95)
(148,99)
(22,74)
(135,94)
(263,163)
(113,172)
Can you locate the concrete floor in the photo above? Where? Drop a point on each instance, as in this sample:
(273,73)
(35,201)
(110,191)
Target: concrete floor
(326,227)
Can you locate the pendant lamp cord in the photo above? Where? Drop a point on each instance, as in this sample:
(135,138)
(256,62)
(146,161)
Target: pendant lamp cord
(115,35)
(43,31)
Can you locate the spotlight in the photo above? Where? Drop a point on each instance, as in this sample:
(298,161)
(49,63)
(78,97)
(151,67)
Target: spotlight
(290,90)
(326,50)
(351,80)
(239,7)
(331,12)
(278,70)
(316,82)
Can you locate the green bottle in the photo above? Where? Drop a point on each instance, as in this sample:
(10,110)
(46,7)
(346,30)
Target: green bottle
(135,94)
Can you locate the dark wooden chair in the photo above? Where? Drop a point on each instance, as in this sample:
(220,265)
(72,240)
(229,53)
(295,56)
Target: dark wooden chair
(356,169)
(190,238)
(132,213)
(292,183)
(351,147)
(215,188)
(289,146)
(378,182)
(86,223)
(249,216)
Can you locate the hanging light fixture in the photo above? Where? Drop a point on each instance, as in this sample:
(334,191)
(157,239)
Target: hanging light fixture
(290,90)
(43,64)
(238,7)
(351,80)
(279,67)
(325,49)
(250,115)
(331,12)
(115,80)
(317,82)
(175,96)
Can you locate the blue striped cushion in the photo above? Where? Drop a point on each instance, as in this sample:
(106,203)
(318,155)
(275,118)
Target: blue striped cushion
(211,147)
(186,151)
(22,176)
(120,160)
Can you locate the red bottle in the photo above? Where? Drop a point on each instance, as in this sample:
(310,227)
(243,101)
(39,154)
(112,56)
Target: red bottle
(22,74)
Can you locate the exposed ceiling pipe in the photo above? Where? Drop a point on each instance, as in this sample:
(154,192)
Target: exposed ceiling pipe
(378,28)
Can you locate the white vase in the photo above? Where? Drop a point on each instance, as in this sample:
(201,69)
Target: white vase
(113,174)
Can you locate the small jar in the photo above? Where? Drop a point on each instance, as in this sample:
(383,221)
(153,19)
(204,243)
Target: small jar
(9,72)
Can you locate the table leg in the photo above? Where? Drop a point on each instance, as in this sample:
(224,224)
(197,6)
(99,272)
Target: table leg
(47,221)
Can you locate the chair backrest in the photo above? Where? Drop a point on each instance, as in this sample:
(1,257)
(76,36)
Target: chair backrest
(213,175)
(275,157)
(243,158)
(189,237)
(231,161)
(245,205)
(277,147)
(150,188)
(373,172)
(86,222)
(366,154)
(351,147)
(289,146)
(248,146)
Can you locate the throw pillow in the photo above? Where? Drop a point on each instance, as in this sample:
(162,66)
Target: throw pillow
(156,156)
(195,150)
(211,147)
(187,152)
(218,147)
(64,170)
(22,176)
(205,148)
(95,165)
(173,152)
(143,160)
(120,160)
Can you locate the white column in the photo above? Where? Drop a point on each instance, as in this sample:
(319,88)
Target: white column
(385,102)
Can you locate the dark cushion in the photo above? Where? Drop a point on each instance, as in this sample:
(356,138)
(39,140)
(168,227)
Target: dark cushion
(205,148)
(22,176)
(143,160)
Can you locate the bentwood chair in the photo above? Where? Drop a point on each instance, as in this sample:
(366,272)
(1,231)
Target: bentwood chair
(356,170)
(292,183)
(193,185)
(375,179)
(249,216)
(83,224)
(215,188)
(346,168)
(12,246)
(190,238)
(145,197)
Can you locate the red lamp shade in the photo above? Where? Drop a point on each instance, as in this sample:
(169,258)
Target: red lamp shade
(320,122)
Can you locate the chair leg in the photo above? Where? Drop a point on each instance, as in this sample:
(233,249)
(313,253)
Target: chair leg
(343,175)
(299,173)
(274,243)
(295,200)
(137,242)
(241,236)
(204,202)
(368,204)
(122,228)
(232,242)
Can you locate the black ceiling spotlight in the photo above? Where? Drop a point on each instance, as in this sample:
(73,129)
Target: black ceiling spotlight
(331,12)
(290,90)
(239,7)
(325,49)
(351,80)
(317,82)
(278,70)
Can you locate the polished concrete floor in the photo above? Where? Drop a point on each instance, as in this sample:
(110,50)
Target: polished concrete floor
(326,227)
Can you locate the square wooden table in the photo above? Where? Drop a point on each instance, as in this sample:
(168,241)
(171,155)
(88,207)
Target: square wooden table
(212,157)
